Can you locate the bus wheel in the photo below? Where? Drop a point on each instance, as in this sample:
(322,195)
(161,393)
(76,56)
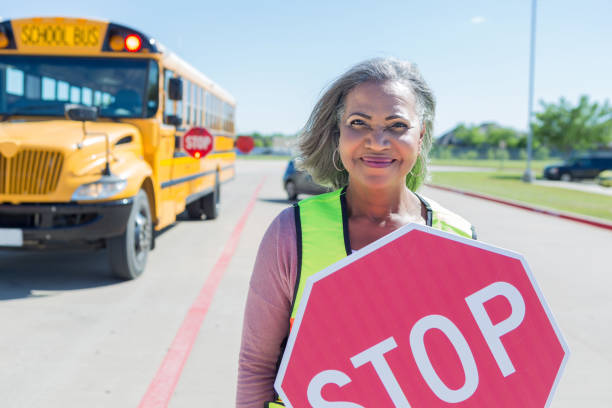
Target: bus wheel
(128,251)
(210,202)
(195,210)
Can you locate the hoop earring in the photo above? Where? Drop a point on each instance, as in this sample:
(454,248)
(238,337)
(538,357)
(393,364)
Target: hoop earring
(334,160)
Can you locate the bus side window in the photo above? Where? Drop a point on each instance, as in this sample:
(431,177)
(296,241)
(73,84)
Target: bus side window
(14,81)
(2,88)
(187,88)
(32,87)
(206,109)
(63,90)
(200,106)
(168,103)
(228,117)
(97,98)
(152,95)
(75,94)
(179,104)
(87,96)
(48,89)
(218,112)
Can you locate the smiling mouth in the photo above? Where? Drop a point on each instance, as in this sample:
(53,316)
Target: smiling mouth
(378,162)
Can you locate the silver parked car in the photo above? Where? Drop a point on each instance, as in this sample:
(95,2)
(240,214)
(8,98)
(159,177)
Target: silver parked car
(298,182)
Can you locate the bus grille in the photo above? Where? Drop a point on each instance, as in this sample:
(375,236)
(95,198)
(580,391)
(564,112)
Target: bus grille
(30,172)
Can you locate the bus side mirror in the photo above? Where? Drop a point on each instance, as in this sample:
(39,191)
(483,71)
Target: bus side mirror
(81,113)
(174,120)
(175,89)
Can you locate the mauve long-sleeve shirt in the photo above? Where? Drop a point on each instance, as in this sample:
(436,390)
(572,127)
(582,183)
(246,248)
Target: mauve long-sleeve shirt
(266,317)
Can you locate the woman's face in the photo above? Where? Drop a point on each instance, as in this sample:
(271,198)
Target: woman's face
(380,133)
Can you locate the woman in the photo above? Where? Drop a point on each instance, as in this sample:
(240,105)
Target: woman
(368,137)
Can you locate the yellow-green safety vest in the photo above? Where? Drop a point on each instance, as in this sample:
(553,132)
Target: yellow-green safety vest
(321,224)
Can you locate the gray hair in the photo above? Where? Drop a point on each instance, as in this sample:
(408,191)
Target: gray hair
(320,136)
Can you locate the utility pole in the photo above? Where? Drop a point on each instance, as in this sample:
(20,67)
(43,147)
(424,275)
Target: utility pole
(528,175)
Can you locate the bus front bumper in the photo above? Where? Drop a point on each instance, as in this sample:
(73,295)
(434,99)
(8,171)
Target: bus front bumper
(63,224)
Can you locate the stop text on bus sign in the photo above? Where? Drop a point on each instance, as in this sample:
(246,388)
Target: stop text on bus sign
(198,142)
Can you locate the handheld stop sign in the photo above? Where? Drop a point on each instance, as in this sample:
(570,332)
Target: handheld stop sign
(423,318)
(197,142)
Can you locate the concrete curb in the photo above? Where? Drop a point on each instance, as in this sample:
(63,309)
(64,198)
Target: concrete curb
(572,217)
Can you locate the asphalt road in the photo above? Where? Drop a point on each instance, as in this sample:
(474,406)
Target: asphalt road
(72,336)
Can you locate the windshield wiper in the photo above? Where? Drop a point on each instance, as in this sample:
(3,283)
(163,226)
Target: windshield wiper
(58,111)
(25,109)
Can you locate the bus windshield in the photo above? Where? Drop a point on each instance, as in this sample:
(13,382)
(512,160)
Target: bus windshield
(43,85)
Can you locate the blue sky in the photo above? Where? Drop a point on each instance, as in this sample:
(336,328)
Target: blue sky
(276,57)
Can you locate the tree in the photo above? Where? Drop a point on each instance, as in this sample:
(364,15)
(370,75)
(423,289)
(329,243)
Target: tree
(258,139)
(567,128)
(267,140)
(469,135)
(487,135)
(509,137)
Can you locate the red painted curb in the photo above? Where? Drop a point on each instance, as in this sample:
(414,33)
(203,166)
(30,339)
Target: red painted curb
(584,220)
(162,387)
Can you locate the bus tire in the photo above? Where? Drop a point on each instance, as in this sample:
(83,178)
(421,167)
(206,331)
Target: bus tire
(195,210)
(128,251)
(210,202)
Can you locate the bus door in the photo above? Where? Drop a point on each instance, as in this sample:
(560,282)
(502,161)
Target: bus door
(183,168)
(199,174)
(166,169)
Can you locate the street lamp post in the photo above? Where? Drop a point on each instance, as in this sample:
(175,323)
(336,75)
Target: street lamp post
(528,175)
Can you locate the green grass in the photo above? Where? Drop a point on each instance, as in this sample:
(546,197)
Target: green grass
(536,165)
(508,185)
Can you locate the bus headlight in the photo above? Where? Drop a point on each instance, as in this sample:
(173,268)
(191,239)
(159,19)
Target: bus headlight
(103,188)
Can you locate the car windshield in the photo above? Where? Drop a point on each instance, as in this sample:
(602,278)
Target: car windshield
(39,85)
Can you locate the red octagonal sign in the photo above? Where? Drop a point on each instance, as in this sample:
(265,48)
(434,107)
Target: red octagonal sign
(245,144)
(423,318)
(197,142)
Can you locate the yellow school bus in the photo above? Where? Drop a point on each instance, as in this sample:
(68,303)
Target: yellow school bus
(91,122)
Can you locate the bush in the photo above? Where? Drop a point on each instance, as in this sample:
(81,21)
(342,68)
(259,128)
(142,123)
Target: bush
(502,154)
(445,153)
(541,153)
(469,155)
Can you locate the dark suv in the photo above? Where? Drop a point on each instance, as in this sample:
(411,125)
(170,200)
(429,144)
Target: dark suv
(579,168)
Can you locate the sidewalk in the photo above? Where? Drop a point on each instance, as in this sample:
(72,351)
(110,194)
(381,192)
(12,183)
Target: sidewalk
(588,186)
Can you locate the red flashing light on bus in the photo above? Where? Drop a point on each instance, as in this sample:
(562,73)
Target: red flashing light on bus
(133,43)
